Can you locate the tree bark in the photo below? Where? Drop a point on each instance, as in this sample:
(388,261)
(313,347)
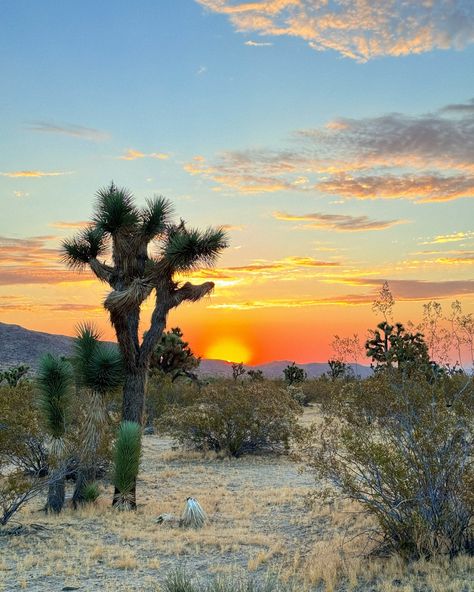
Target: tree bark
(56,492)
(134,394)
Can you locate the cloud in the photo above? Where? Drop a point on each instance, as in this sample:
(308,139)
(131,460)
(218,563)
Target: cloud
(422,158)
(32,261)
(233,227)
(250,43)
(360,30)
(34,174)
(345,300)
(20,194)
(454,237)
(415,289)
(69,225)
(132,154)
(339,222)
(201,70)
(76,131)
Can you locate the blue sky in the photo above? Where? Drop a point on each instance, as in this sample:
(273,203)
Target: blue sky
(212,102)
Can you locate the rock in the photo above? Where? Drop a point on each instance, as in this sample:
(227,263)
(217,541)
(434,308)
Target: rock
(149,431)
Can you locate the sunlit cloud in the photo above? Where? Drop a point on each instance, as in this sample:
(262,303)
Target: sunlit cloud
(69,225)
(233,227)
(414,289)
(425,158)
(132,154)
(359,30)
(76,131)
(454,237)
(21,194)
(339,222)
(34,174)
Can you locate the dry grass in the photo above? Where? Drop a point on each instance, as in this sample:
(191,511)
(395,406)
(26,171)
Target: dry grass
(260,521)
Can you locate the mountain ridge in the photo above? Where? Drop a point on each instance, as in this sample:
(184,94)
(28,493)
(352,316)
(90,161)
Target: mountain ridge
(25,346)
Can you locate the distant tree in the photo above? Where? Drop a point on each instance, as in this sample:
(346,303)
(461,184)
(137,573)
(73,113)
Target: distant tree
(338,369)
(135,274)
(173,357)
(294,374)
(237,370)
(255,374)
(391,346)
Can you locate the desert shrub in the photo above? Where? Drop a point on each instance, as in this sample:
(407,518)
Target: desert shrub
(180,581)
(21,439)
(402,448)
(235,418)
(163,392)
(91,493)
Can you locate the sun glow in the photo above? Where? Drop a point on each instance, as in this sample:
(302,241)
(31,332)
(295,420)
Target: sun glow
(230,350)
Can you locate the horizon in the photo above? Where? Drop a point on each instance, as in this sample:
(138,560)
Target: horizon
(333,143)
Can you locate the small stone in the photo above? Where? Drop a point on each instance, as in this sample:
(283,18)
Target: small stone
(149,431)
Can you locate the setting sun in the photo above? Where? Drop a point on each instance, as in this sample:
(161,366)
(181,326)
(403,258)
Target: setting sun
(230,350)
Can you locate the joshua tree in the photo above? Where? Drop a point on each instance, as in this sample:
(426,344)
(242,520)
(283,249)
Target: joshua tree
(99,370)
(54,383)
(135,274)
(237,370)
(173,356)
(294,374)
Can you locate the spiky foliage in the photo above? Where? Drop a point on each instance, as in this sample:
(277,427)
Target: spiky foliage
(54,382)
(115,210)
(186,249)
(88,244)
(127,453)
(154,218)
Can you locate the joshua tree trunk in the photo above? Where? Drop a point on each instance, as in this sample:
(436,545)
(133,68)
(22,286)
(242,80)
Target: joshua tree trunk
(134,390)
(56,492)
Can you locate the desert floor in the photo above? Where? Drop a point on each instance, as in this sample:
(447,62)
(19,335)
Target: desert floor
(260,520)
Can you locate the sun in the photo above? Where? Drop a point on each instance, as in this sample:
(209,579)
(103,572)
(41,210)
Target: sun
(230,350)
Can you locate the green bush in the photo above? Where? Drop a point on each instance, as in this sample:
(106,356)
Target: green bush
(180,581)
(235,418)
(402,448)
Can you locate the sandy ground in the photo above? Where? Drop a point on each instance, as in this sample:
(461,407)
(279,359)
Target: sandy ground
(259,521)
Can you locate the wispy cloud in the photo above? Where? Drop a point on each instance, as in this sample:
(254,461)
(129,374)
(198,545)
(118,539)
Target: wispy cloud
(34,174)
(340,222)
(414,289)
(21,194)
(251,43)
(359,30)
(424,158)
(68,129)
(69,225)
(454,237)
(132,154)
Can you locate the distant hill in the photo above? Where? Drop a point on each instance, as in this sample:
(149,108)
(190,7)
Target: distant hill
(272,369)
(22,346)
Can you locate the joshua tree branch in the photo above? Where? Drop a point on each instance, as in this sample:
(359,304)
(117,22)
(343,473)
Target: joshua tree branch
(157,326)
(191,292)
(101,270)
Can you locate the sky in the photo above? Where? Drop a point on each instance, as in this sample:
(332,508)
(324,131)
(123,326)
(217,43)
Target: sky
(333,139)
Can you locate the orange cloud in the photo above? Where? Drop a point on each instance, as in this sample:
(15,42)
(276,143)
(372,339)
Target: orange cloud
(388,157)
(132,154)
(69,225)
(34,174)
(339,222)
(360,30)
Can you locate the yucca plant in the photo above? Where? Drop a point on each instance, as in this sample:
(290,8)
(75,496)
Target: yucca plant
(127,453)
(54,385)
(99,369)
(134,274)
